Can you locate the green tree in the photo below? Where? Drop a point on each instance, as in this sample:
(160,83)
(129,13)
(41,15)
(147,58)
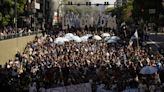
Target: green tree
(110,9)
(7,11)
(127,11)
(124,13)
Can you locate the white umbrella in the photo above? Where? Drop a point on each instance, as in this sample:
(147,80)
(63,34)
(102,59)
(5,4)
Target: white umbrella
(111,41)
(69,34)
(88,35)
(60,40)
(97,37)
(105,35)
(148,70)
(107,38)
(85,37)
(76,38)
(115,38)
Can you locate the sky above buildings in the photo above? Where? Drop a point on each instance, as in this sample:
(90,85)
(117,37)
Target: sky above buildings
(102,1)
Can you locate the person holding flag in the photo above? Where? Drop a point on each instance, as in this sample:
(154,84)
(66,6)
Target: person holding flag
(135,36)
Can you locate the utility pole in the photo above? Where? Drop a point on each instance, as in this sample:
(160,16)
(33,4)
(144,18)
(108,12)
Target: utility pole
(15,19)
(44,15)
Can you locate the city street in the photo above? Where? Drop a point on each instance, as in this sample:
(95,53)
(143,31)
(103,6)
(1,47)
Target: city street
(156,41)
(82,45)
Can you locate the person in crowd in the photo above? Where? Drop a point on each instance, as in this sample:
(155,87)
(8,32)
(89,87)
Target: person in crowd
(44,64)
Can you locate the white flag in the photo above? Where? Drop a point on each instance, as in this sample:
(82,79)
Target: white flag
(136,34)
(130,42)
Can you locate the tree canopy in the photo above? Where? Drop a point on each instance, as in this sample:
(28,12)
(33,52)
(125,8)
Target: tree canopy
(7,11)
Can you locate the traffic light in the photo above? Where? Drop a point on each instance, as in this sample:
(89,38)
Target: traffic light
(69,3)
(97,4)
(88,3)
(78,4)
(106,3)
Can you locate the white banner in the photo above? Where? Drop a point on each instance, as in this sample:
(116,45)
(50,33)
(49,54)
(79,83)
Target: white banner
(85,87)
(127,90)
(36,5)
(103,21)
(88,20)
(103,90)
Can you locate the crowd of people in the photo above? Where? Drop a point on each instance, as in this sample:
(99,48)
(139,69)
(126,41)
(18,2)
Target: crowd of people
(115,67)
(10,32)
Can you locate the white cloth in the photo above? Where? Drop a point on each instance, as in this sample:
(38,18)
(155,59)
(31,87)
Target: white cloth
(32,89)
(42,89)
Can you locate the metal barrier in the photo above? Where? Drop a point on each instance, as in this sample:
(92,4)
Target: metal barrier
(18,35)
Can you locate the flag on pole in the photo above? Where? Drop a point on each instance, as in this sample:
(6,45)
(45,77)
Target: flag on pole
(135,36)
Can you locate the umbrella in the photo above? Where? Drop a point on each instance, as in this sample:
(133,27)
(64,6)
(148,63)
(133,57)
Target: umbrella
(148,70)
(115,38)
(111,41)
(60,40)
(85,37)
(76,38)
(69,34)
(105,35)
(97,37)
(88,35)
(107,38)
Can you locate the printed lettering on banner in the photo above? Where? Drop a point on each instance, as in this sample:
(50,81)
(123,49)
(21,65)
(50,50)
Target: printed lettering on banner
(66,22)
(82,22)
(89,20)
(80,89)
(59,89)
(86,87)
(109,23)
(103,21)
(103,90)
(96,20)
(114,22)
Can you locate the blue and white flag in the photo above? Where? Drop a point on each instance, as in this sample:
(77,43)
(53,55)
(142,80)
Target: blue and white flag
(135,36)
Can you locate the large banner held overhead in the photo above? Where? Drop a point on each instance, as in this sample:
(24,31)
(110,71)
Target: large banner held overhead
(85,87)
(97,20)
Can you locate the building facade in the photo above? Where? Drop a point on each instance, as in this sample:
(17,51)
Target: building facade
(37,14)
